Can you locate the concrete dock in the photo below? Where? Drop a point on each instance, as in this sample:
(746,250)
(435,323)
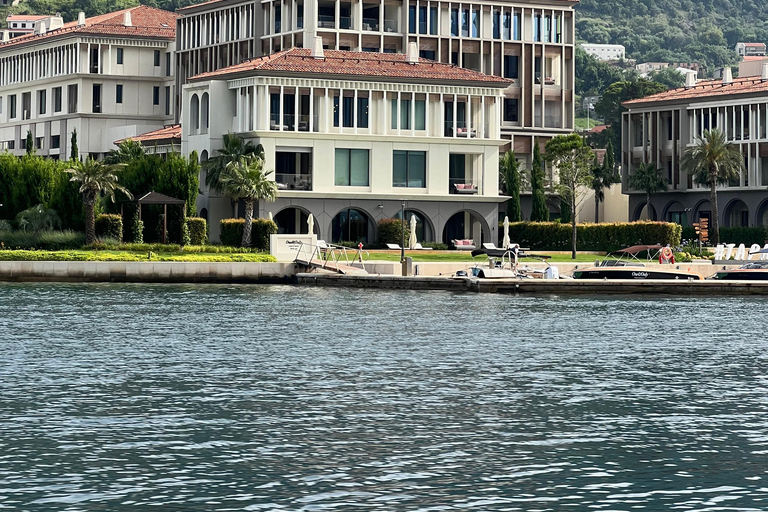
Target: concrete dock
(539,286)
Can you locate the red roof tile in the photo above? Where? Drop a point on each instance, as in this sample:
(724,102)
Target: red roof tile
(755,45)
(145,22)
(166,132)
(599,128)
(753,58)
(338,62)
(706,89)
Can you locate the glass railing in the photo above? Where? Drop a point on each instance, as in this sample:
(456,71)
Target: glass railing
(345,22)
(371,24)
(292,122)
(391,26)
(552,122)
(326,21)
(461,186)
(292,181)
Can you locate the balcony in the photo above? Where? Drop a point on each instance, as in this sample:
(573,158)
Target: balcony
(459,186)
(371,24)
(292,181)
(390,26)
(290,122)
(325,21)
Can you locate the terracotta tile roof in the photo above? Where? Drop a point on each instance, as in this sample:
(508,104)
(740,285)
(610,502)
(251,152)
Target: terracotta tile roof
(145,22)
(753,58)
(755,45)
(599,128)
(369,64)
(706,89)
(172,132)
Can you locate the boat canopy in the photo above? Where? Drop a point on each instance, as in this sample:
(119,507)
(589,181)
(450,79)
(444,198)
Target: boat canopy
(631,253)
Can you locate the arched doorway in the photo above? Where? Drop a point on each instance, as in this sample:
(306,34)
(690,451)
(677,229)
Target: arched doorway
(641,213)
(293,221)
(204,214)
(352,225)
(194,115)
(762,214)
(464,225)
(736,214)
(675,212)
(702,210)
(424,230)
(204,113)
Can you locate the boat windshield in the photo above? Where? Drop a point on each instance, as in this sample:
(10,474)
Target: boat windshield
(756,265)
(619,263)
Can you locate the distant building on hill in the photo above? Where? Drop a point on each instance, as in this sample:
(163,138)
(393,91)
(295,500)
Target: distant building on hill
(752,65)
(605,52)
(23,24)
(747,49)
(646,68)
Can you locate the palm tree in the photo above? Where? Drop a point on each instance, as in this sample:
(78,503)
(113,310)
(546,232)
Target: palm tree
(95,179)
(126,151)
(647,177)
(712,161)
(509,176)
(603,176)
(246,179)
(234,149)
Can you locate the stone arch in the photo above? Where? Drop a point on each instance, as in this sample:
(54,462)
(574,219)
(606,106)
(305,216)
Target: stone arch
(761,214)
(456,227)
(352,222)
(674,211)
(702,207)
(639,214)
(292,220)
(736,214)
(194,114)
(425,229)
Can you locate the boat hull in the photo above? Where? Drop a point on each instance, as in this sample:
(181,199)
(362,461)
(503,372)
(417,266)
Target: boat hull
(637,273)
(743,274)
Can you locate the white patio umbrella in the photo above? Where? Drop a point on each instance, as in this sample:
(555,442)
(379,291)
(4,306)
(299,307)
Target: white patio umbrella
(270,216)
(412,239)
(310,224)
(505,242)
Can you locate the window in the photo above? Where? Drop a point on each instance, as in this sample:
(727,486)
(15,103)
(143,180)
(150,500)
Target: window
(157,57)
(119,93)
(72,99)
(405,114)
(537,28)
(352,168)
(454,22)
(1,104)
(409,169)
(57,99)
(433,21)
(119,55)
(510,110)
(155,95)
(465,22)
(427,54)
(511,65)
(348,112)
(422,19)
(96,98)
(412,19)
(496,25)
(507,34)
(362,112)
(55,141)
(41,101)
(38,142)
(420,114)
(168,60)
(278,19)
(475,23)
(167,101)
(516,27)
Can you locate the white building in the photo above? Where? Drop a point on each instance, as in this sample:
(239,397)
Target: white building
(750,49)
(353,135)
(530,42)
(605,52)
(658,128)
(23,24)
(109,77)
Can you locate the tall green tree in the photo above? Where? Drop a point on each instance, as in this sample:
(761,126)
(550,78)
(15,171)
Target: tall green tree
(95,179)
(573,160)
(246,179)
(509,176)
(235,148)
(712,160)
(603,176)
(649,179)
(74,152)
(30,143)
(126,151)
(539,210)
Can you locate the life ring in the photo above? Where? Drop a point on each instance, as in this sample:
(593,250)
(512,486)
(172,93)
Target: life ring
(666,255)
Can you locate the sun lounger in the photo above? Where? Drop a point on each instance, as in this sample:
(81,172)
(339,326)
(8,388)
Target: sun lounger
(394,247)
(417,246)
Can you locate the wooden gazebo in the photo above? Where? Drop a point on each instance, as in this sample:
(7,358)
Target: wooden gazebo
(158,198)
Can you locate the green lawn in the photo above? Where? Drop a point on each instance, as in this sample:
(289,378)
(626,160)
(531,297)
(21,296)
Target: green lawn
(580,123)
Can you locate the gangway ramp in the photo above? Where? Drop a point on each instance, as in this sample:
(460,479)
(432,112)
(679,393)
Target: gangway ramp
(334,258)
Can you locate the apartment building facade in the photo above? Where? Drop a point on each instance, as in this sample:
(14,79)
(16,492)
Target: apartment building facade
(605,52)
(658,128)
(356,137)
(530,42)
(108,77)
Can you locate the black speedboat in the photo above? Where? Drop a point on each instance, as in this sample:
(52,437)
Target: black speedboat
(614,269)
(752,271)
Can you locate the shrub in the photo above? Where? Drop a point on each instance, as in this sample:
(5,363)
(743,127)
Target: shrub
(5,225)
(262,229)
(746,236)
(109,226)
(136,234)
(391,231)
(23,255)
(438,246)
(45,240)
(594,237)
(231,231)
(198,230)
(38,218)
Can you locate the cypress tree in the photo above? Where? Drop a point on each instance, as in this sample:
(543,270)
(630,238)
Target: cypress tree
(74,154)
(509,170)
(30,143)
(539,210)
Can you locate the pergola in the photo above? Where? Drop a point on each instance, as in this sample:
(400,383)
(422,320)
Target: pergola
(158,198)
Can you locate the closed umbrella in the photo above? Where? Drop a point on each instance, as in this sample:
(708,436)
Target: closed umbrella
(270,216)
(310,224)
(505,242)
(412,239)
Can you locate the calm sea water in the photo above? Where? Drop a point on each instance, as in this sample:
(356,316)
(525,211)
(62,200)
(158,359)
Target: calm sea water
(205,398)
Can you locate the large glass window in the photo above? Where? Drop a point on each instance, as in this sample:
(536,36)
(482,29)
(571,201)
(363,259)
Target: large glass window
(516,26)
(422,19)
(96,98)
(352,167)
(433,21)
(507,22)
(420,114)
(537,27)
(404,114)
(350,225)
(476,23)
(496,24)
(57,99)
(465,22)
(454,22)
(412,19)
(511,64)
(510,110)
(348,113)
(409,169)
(362,112)
(278,19)
(42,102)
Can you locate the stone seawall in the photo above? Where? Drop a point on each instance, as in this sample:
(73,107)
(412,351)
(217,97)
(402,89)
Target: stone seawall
(146,271)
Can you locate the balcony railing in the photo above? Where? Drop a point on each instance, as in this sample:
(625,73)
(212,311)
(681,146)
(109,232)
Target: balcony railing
(371,24)
(390,26)
(289,122)
(324,21)
(292,181)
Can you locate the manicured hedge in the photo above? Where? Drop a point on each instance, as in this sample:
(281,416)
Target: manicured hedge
(593,237)
(198,230)
(391,232)
(746,236)
(232,232)
(129,256)
(109,226)
(46,240)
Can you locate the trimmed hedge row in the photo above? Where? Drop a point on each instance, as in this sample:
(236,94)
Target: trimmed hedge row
(738,235)
(129,256)
(46,240)
(198,230)
(232,232)
(593,237)
(391,231)
(109,226)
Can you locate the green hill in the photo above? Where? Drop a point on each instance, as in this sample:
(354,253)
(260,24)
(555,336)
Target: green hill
(703,31)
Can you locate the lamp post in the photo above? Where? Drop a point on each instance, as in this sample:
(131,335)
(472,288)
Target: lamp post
(402,231)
